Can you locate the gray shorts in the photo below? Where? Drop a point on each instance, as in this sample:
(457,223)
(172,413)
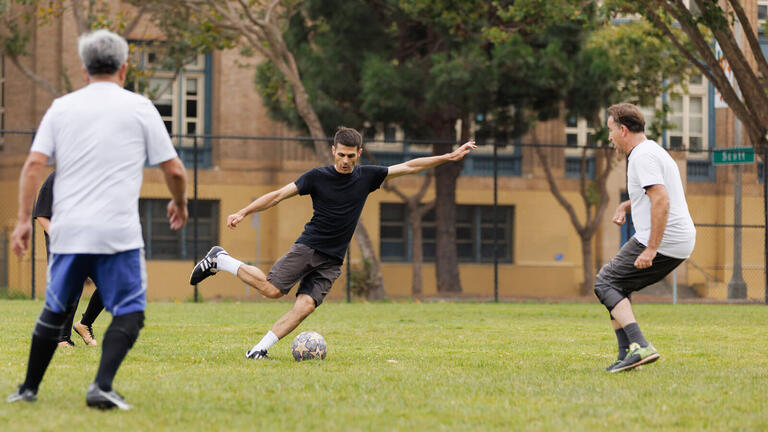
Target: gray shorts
(316,271)
(620,278)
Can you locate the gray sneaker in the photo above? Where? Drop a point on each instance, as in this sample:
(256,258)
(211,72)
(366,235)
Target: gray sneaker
(637,356)
(98,398)
(26,395)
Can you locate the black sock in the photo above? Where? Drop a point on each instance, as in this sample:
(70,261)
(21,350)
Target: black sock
(66,331)
(95,306)
(118,340)
(40,355)
(623,341)
(635,335)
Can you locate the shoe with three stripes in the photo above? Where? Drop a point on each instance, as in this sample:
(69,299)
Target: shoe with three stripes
(206,267)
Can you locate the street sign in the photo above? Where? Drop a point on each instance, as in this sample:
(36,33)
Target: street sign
(733,156)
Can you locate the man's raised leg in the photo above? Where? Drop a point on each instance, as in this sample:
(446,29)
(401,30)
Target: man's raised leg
(217,259)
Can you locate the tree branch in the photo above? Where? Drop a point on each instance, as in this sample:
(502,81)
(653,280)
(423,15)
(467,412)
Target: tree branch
(135,22)
(82,22)
(553,185)
(42,82)
(754,44)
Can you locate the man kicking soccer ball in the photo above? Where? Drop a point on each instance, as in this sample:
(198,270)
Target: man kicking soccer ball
(338,195)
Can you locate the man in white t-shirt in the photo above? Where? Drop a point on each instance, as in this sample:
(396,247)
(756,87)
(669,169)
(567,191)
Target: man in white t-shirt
(664,232)
(100,138)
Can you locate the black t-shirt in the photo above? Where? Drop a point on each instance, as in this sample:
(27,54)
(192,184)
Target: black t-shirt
(337,201)
(44,204)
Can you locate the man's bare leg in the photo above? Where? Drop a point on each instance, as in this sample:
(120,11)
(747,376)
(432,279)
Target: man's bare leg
(256,278)
(301,309)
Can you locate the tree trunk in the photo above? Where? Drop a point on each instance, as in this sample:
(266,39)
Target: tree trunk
(587,256)
(446,257)
(366,249)
(414,217)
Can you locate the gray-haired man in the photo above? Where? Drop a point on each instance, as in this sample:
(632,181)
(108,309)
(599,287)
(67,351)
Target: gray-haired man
(100,137)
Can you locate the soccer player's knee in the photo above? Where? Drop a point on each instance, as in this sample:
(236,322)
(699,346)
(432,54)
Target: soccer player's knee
(305,304)
(128,325)
(50,324)
(607,295)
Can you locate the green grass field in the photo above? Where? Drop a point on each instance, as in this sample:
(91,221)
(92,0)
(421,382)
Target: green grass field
(407,366)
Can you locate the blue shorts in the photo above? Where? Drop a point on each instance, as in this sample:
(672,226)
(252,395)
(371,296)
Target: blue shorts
(121,278)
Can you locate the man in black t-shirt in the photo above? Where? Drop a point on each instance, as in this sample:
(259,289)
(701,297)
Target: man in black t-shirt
(338,195)
(43,212)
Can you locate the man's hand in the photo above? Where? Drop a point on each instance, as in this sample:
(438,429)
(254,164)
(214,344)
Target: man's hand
(619,217)
(234,219)
(462,151)
(177,214)
(645,259)
(20,236)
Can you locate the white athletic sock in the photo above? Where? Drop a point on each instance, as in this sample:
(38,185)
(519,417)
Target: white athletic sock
(265,343)
(227,263)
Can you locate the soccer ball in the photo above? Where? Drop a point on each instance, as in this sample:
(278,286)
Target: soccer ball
(308,345)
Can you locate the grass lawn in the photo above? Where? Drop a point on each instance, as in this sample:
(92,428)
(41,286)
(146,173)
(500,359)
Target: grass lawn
(407,366)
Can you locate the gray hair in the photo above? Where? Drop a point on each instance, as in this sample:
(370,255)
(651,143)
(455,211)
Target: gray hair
(102,52)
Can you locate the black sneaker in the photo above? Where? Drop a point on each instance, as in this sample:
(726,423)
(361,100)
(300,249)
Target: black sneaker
(206,267)
(257,355)
(20,395)
(98,398)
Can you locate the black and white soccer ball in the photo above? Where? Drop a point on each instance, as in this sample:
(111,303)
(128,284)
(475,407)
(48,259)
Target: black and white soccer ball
(309,345)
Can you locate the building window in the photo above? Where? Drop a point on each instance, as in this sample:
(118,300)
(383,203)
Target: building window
(160,242)
(180,98)
(688,119)
(474,233)
(579,132)
(762,15)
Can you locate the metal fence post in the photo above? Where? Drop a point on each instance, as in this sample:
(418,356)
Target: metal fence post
(34,251)
(765,216)
(495,223)
(349,275)
(194,207)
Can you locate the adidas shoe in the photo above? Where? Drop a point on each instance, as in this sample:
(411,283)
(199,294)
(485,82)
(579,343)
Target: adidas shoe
(637,356)
(85,332)
(20,395)
(257,354)
(98,398)
(206,267)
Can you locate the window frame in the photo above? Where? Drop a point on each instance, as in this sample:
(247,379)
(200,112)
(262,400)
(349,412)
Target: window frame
(153,210)
(474,222)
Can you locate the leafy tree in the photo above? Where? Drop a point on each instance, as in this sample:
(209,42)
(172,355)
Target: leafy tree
(259,26)
(584,62)
(183,36)
(693,33)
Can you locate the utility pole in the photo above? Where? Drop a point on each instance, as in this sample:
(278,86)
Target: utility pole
(737,288)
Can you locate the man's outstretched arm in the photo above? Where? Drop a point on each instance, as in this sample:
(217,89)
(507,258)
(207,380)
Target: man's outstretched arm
(262,203)
(414,166)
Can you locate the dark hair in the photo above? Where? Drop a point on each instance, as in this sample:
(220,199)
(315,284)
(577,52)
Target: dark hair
(348,137)
(628,115)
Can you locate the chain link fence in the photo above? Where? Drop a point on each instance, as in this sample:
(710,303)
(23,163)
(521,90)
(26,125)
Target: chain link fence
(716,271)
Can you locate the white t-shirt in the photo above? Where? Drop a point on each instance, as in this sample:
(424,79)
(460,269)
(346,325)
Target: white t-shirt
(649,164)
(100,138)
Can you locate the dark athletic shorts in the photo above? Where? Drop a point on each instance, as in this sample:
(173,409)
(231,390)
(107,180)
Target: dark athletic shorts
(316,271)
(620,278)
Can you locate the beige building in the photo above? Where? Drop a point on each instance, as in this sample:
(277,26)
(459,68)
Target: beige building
(540,253)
